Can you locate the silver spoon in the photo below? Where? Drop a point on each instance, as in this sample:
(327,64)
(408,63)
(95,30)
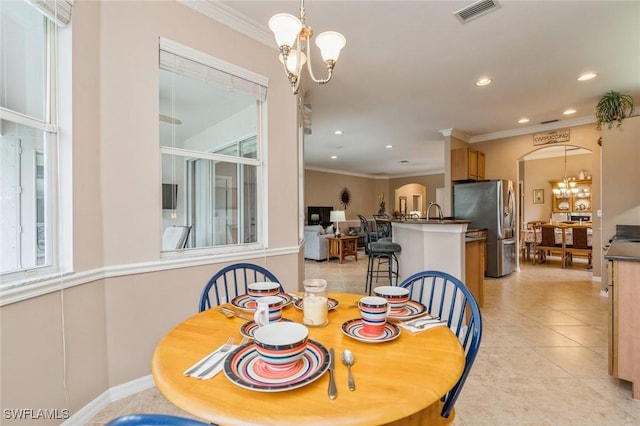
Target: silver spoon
(347,359)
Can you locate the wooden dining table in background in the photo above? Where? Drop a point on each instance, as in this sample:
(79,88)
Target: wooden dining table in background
(398,382)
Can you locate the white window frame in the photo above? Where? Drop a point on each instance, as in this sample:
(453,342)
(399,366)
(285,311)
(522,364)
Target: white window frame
(259,162)
(21,284)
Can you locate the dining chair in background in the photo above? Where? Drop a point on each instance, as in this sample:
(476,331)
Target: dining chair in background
(148,419)
(232,281)
(579,245)
(547,244)
(448,298)
(370,235)
(526,246)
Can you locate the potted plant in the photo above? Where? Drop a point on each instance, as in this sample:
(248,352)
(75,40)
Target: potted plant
(612,107)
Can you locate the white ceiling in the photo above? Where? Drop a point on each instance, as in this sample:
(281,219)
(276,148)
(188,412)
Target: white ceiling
(408,72)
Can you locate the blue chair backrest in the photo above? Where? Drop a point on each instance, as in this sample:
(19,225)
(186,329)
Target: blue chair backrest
(231,281)
(144,419)
(447,297)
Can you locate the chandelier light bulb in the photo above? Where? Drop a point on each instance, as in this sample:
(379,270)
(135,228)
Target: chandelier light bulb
(330,44)
(285,28)
(295,62)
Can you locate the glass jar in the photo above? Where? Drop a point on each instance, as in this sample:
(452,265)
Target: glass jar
(314,303)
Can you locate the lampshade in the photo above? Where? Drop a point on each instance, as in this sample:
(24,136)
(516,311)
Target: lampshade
(330,44)
(315,217)
(295,61)
(337,216)
(285,28)
(290,31)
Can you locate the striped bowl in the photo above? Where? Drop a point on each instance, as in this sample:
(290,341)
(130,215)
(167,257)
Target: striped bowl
(261,289)
(281,343)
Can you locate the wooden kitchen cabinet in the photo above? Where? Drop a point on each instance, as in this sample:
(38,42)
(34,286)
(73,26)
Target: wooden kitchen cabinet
(624,322)
(467,164)
(475,263)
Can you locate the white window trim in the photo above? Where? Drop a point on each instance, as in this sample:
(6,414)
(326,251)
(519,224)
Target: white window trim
(221,252)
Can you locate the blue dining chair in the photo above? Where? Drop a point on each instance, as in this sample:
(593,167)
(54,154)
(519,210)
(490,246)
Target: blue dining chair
(231,281)
(448,298)
(144,419)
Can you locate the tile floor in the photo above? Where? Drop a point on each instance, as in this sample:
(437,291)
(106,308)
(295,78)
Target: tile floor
(542,359)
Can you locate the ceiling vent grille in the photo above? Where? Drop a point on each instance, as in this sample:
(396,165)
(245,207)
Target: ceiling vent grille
(476,9)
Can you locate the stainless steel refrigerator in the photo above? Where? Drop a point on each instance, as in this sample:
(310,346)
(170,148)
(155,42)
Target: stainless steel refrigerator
(490,205)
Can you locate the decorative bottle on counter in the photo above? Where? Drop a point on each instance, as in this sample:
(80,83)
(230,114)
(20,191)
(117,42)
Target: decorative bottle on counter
(314,303)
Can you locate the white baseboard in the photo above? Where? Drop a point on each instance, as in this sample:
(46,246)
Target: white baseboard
(89,411)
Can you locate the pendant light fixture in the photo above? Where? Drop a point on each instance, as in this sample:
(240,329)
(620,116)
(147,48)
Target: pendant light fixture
(291,34)
(566,187)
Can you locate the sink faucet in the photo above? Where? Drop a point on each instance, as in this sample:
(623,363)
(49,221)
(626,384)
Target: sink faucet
(438,210)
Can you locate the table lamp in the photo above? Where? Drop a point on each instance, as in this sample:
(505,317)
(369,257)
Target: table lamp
(337,216)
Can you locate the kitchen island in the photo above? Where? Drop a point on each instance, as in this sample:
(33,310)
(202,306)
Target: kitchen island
(431,245)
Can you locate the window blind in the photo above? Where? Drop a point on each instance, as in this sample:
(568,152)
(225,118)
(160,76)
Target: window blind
(59,11)
(200,67)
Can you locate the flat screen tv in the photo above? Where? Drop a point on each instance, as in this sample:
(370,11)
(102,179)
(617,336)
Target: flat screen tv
(319,215)
(169,196)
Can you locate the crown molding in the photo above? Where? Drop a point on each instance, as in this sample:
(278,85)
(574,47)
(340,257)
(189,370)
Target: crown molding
(455,133)
(232,19)
(369,176)
(533,129)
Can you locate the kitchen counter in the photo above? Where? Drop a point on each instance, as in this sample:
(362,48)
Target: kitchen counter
(624,316)
(628,251)
(431,245)
(433,221)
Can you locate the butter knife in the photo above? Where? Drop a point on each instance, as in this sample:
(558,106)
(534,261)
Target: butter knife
(333,391)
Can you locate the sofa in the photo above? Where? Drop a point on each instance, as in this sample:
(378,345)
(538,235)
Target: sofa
(315,242)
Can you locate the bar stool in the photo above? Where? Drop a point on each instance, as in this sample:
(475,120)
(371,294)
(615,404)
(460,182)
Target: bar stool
(384,252)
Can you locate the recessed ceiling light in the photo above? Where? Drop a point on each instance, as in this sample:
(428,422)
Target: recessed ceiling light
(483,81)
(523,120)
(337,132)
(389,146)
(569,111)
(333,157)
(587,76)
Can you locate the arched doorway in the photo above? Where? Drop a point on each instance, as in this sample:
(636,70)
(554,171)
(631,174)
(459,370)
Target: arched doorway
(411,198)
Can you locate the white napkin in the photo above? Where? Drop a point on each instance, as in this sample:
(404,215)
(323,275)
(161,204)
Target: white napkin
(425,323)
(217,356)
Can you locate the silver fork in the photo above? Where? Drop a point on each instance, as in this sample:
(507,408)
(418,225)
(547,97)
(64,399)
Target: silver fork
(244,340)
(429,322)
(224,348)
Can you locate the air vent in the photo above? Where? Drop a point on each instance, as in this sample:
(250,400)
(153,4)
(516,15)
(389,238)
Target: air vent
(548,121)
(476,9)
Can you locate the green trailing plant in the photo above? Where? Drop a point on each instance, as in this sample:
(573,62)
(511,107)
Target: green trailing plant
(613,107)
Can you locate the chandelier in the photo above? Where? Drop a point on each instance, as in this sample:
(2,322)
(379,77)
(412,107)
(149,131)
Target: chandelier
(291,34)
(566,187)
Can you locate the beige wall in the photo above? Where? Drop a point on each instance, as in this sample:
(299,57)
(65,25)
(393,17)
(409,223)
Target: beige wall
(323,188)
(539,173)
(502,158)
(621,176)
(108,327)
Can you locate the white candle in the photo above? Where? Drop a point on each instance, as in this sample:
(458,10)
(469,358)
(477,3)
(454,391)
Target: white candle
(315,310)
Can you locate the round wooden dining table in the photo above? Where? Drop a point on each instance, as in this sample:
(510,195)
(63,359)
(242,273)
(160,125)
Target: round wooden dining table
(398,382)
